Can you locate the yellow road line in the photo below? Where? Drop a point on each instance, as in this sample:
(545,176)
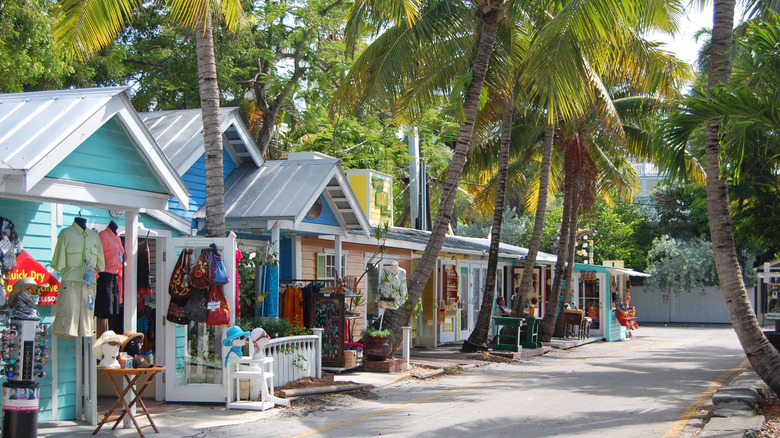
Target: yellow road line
(681,422)
(461,388)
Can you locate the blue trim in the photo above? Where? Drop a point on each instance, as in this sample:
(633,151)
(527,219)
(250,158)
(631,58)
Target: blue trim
(195,180)
(327,217)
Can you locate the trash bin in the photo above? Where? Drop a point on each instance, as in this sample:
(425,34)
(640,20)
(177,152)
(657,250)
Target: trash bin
(20,409)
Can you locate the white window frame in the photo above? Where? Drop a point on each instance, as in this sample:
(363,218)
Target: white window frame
(326,266)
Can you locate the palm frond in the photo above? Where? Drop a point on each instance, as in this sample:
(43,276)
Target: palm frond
(84,27)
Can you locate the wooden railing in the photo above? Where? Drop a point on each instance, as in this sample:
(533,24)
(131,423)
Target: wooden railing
(296,357)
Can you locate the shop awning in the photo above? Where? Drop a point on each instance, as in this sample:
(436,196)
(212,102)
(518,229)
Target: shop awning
(627,271)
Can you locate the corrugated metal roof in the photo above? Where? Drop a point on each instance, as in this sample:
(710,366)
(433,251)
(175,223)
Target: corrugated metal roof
(285,190)
(32,124)
(39,129)
(461,244)
(180,135)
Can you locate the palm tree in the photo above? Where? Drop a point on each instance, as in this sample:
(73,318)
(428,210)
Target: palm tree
(762,356)
(403,51)
(477,340)
(487,14)
(86,27)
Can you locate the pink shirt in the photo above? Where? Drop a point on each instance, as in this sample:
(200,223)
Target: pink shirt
(113,251)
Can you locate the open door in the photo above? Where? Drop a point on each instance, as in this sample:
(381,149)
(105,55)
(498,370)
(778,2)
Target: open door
(194,355)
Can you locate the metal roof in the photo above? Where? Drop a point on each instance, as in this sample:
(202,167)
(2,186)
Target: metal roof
(627,271)
(285,190)
(463,245)
(39,129)
(180,135)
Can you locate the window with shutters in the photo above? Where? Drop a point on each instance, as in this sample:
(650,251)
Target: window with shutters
(326,265)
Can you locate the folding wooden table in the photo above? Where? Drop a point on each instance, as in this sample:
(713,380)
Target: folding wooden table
(132,376)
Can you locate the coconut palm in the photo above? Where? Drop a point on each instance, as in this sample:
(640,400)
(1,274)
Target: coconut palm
(486,14)
(403,51)
(86,27)
(753,106)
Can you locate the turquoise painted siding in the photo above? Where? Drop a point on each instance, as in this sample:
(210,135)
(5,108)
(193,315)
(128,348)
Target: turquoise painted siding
(109,158)
(66,379)
(33,223)
(195,180)
(326,217)
(153,224)
(181,353)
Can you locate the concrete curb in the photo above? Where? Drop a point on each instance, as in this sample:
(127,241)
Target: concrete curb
(736,404)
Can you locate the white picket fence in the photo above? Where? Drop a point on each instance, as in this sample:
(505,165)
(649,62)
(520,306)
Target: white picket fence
(296,357)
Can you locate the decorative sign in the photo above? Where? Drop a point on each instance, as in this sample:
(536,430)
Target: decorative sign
(20,399)
(27,266)
(382,191)
(328,314)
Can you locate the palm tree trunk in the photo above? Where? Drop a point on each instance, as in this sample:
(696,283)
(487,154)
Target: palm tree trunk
(763,357)
(478,338)
(212,135)
(395,320)
(568,293)
(547,327)
(541,211)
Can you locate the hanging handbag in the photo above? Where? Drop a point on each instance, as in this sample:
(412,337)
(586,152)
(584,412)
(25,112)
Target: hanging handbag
(179,286)
(199,274)
(196,305)
(217,272)
(177,313)
(218,310)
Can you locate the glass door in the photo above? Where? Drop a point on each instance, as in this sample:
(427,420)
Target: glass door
(193,352)
(590,297)
(448,301)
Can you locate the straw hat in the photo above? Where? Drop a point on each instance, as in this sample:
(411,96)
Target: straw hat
(20,285)
(129,336)
(233,333)
(107,336)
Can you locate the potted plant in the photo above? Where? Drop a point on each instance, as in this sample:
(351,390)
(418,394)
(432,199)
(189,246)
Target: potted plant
(376,343)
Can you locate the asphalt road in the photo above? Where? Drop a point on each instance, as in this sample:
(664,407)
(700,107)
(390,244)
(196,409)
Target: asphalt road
(643,387)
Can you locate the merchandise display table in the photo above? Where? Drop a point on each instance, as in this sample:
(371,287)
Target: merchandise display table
(132,376)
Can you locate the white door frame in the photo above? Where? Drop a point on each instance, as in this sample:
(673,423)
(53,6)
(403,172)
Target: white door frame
(440,285)
(200,392)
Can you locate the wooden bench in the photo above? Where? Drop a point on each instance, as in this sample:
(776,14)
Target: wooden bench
(510,336)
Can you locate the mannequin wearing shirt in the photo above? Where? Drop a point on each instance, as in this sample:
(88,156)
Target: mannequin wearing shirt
(107,291)
(78,256)
(392,286)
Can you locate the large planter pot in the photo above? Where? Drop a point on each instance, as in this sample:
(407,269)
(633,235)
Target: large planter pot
(377,348)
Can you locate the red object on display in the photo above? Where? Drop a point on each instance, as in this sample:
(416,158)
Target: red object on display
(218,310)
(27,266)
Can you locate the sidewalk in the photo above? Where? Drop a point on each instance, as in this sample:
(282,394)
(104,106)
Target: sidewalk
(736,404)
(735,399)
(186,419)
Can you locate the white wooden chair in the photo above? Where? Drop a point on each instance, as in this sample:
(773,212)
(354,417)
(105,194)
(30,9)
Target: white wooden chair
(260,374)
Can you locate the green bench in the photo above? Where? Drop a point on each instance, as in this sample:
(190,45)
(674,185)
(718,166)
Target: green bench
(511,337)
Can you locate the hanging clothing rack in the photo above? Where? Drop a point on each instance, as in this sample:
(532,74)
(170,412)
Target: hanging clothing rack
(303,280)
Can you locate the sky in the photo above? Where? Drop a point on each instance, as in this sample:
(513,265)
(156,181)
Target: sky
(684,44)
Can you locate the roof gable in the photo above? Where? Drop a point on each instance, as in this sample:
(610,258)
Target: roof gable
(93,162)
(285,190)
(180,135)
(39,130)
